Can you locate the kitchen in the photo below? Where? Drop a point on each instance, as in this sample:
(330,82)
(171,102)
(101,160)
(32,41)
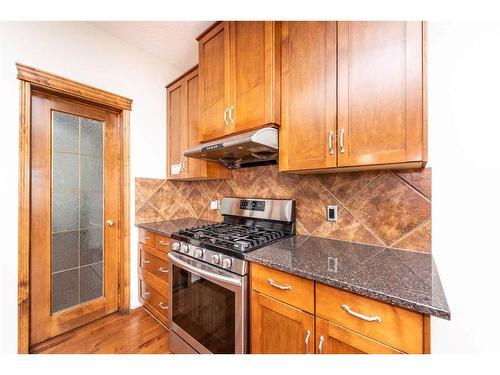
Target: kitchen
(293,214)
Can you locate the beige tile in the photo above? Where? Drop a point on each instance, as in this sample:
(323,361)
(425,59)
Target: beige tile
(420,179)
(346,185)
(166,199)
(146,213)
(144,188)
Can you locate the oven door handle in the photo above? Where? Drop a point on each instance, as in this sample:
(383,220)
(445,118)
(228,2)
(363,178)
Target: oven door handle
(203,273)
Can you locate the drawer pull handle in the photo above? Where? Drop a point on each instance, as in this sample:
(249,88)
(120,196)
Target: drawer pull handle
(164,270)
(276,285)
(308,334)
(146,293)
(320,346)
(145,261)
(147,238)
(163,306)
(361,316)
(163,243)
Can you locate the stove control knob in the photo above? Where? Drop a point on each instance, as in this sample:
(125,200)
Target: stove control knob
(175,245)
(198,253)
(184,248)
(226,263)
(215,259)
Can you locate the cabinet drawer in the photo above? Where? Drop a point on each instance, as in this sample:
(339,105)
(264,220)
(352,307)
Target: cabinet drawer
(162,243)
(146,237)
(399,328)
(153,263)
(154,299)
(287,288)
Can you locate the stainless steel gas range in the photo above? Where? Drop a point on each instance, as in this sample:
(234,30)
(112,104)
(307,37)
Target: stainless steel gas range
(208,279)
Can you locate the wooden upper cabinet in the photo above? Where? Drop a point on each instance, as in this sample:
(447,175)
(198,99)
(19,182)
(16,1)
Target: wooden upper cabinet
(214,82)
(371,96)
(255,74)
(380,93)
(308,118)
(239,77)
(277,328)
(334,339)
(182,131)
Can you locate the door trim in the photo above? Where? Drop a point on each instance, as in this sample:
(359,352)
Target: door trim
(32,78)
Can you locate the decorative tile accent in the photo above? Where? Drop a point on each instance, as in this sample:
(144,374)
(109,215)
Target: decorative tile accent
(242,180)
(346,185)
(418,240)
(312,199)
(166,199)
(381,208)
(347,228)
(145,188)
(420,179)
(390,208)
(146,213)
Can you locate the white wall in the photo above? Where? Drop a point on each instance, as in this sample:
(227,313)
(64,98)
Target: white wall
(464,135)
(82,52)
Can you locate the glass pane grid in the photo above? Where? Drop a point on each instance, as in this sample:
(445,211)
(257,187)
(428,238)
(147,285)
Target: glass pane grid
(77,210)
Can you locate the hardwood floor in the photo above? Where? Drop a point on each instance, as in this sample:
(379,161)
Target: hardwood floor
(136,333)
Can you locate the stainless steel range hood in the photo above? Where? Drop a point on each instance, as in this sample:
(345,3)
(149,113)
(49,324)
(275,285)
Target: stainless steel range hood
(257,147)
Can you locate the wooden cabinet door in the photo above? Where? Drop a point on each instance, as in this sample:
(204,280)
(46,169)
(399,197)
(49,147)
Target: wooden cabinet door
(195,167)
(334,339)
(255,74)
(176,129)
(214,82)
(308,118)
(277,328)
(380,93)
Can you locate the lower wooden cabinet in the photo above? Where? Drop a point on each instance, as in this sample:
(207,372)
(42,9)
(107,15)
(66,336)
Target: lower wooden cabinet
(334,339)
(153,274)
(277,328)
(336,321)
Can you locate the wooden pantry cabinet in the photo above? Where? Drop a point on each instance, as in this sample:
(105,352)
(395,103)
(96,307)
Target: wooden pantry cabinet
(293,315)
(353,96)
(239,77)
(153,274)
(182,131)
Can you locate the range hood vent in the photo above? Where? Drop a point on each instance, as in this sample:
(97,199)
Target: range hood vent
(257,147)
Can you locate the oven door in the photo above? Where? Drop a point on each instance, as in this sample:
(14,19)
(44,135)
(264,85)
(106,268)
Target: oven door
(208,306)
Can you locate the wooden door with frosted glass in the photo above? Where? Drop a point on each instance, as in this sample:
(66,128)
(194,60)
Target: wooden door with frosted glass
(75,197)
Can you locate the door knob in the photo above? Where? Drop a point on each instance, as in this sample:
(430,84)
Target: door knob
(110,223)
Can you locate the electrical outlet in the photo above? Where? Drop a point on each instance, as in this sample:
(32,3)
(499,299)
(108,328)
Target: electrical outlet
(214,205)
(331,213)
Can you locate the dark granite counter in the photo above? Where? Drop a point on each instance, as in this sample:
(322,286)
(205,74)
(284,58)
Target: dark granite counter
(402,278)
(167,227)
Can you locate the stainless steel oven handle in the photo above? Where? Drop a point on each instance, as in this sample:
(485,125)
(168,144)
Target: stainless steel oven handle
(203,273)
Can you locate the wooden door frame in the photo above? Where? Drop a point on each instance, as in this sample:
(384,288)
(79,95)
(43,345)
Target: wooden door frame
(34,79)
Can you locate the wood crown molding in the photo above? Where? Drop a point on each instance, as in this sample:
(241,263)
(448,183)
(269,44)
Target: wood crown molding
(52,82)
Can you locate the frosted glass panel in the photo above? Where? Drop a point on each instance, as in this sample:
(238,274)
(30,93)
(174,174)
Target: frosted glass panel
(77,210)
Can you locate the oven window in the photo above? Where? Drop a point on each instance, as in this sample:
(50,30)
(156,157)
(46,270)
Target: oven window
(205,310)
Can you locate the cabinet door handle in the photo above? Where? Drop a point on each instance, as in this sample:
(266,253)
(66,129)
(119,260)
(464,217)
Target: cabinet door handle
(145,261)
(361,316)
(225,116)
(308,334)
(164,270)
(231,120)
(183,165)
(145,293)
(320,346)
(163,243)
(330,142)
(341,147)
(276,285)
(163,306)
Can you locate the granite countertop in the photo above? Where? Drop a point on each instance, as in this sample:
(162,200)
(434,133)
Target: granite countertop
(167,227)
(402,278)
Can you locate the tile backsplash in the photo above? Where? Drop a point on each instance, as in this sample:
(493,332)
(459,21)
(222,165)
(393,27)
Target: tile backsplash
(387,208)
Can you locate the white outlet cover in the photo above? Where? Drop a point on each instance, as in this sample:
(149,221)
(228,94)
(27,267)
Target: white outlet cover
(214,205)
